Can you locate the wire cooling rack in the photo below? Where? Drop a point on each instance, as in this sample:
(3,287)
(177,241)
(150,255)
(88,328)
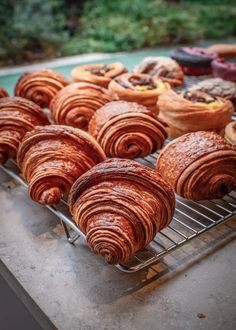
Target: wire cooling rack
(190,220)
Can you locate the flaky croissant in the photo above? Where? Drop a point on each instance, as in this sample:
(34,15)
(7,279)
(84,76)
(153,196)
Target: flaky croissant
(52,157)
(98,74)
(193,111)
(40,86)
(120,205)
(127,130)
(165,68)
(138,87)
(3,92)
(74,105)
(199,165)
(17,116)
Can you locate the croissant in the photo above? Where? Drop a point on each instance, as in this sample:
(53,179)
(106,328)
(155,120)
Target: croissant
(193,111)
(120,205)
(199,165)
(17,116)
(3,93)
(127,130)
(162,67)
(138,87)
(98,74)
(74,105)
(230,133)
(52,157)
(40,86)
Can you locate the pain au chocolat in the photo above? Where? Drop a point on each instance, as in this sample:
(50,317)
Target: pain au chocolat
(120,205)
(52,157)
(199,165)
(127,130)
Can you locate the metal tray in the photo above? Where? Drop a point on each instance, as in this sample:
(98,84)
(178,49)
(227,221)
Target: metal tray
(190,220)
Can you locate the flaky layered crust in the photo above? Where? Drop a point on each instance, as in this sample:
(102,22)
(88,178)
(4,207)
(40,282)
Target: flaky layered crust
(200,165)
(120,205)
(140,88)
(74,105)
(17,116)
(98,74)
(230,133)
(183,116)
(52,157)
(162,67)
(127,130)
(40,86)
(3,92)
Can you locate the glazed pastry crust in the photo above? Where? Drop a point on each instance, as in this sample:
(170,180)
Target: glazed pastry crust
(127,130)
(3,92)
(223,50)
(120,205)
(230,133)
(200,165)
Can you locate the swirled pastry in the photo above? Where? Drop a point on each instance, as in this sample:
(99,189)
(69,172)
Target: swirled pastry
(98,74)
(199,165)
(40,86)
(127,130)
(17,116)
(3,92)
(138,87)
(193,111)
(165,68)
(52,157)
(120,205)
(230,133)
(74,105)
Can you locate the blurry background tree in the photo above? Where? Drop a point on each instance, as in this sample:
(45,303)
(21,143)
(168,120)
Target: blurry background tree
(32,30)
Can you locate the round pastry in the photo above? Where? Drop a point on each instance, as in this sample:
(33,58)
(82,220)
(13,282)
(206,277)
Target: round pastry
(40,86)
(194,61)
(98,74)
(193,111)
(3,92)
(74,105)
(223,50)
(224,69)
(217,87)
(120,205)
(199,166)
(52,157)
(138,87)
(230,133)
(17,116)
(127,130)
(162,67)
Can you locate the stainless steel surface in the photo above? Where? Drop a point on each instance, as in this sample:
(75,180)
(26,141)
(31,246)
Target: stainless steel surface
(190,220)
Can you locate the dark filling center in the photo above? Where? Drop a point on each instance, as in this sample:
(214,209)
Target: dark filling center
(143,81)
(198,96)
(99,71)
(224,188)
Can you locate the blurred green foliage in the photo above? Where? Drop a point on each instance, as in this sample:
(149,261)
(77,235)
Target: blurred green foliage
(34,29)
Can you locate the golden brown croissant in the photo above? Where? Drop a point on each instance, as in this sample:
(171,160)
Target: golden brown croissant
(120,205)
(127,130)
(52,157)
(3,92)
(138,87)
(40,86)
(199,165)
(74,105)
(193,111)
(98,74)
(17,116)
(230,133)
(165,68)
(223,50)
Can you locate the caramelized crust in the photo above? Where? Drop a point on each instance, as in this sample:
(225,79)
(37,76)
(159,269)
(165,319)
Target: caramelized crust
(52,157)
(120,205)
(74,105)
(3,92)
(40,86)
(127,130)
(200,165)
(17,116)
(230,133)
